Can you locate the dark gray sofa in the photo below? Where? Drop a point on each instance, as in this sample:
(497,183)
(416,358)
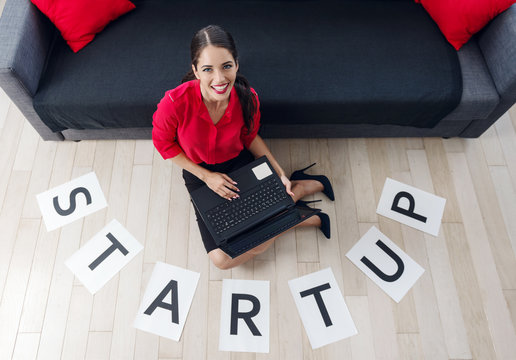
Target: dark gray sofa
(370,68)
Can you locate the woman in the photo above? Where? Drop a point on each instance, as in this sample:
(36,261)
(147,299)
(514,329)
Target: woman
(209,127)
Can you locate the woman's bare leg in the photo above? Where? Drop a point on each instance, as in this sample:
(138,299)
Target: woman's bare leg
(300,188)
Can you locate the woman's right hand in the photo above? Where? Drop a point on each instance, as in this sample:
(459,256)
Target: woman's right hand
(222,184)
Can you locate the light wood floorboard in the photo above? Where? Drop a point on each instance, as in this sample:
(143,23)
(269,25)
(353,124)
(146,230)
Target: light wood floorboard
(124,334)
(26,346)
(439,264)
(462,307)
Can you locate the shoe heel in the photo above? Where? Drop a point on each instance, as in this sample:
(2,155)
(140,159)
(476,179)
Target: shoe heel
(305,203)
(301,172)
(306,168)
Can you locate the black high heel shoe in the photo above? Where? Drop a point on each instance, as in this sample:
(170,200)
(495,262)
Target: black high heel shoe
(325,219)
(300,175)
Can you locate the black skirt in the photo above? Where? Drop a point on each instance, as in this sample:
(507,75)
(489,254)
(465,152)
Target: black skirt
(192,183)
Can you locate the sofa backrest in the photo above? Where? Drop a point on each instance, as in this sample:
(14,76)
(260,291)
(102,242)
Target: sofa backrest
(361,61)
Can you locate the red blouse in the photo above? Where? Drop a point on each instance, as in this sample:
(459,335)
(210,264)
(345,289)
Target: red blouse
(182,123)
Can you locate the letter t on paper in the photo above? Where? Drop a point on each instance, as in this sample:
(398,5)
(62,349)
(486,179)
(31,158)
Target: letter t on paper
(322,309)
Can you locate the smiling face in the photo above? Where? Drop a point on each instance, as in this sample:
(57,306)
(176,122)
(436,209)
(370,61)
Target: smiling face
(216,69)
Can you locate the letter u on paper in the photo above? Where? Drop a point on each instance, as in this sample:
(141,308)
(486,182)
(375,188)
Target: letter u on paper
(385,264)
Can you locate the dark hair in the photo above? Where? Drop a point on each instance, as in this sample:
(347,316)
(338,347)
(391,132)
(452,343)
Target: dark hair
(217,36)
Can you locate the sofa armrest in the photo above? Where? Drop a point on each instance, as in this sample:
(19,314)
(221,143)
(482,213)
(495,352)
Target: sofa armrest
(498,44)
(26,38)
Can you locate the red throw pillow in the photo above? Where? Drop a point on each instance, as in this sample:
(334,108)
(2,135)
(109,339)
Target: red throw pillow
(80,20)
(460,19)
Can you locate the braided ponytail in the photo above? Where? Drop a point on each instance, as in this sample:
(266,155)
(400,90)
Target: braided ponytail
(247,100)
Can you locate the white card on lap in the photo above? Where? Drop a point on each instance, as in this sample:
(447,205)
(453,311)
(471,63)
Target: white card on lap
(262,171)
(411,206)
(104,256)
(385,264)
(71,201)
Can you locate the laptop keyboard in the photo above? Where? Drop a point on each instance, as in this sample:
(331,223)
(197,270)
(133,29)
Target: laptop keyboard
(253,202)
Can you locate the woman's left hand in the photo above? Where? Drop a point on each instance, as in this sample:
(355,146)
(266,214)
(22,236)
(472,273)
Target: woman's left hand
(287,184)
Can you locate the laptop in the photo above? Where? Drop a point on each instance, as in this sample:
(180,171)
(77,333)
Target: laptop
(263,210)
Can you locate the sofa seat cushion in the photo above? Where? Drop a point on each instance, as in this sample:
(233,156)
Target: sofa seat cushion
(329,62)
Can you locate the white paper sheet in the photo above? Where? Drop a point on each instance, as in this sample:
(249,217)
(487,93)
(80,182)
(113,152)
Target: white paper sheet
(244,316)
(103,256)
(413,207)
(322,308)
(377,249)
(169,318)
(74,200)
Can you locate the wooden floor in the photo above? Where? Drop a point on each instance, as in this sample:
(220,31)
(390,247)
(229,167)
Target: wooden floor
(463,307)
